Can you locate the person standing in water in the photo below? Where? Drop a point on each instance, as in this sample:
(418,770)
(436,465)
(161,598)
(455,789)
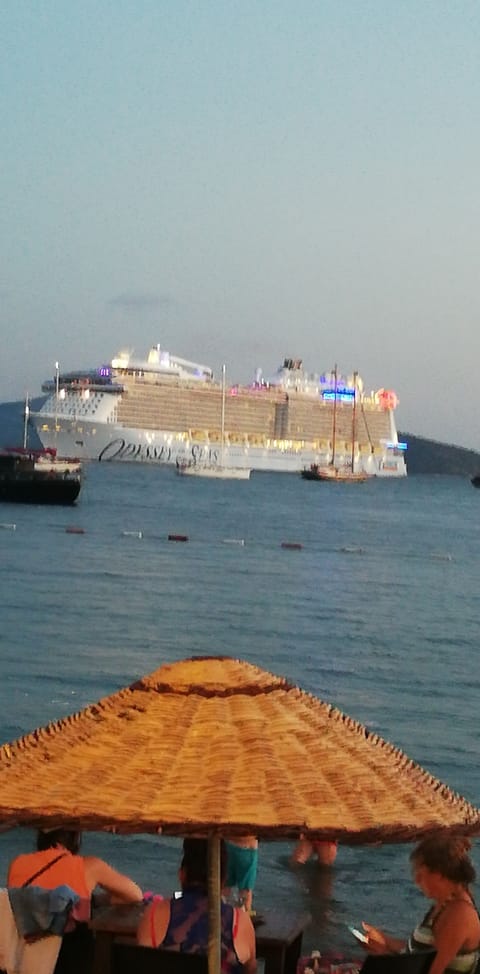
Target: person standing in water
(242,863)
(326,852)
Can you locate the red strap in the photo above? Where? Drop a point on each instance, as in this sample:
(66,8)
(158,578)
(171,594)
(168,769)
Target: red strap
(152,925)
(43,869)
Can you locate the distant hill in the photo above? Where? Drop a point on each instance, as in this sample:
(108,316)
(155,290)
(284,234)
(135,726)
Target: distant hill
(428,456)
(423,456)
(11,423)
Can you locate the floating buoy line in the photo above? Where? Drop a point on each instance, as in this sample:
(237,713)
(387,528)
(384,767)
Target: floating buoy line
(286,545)
(179,538)
(184,538)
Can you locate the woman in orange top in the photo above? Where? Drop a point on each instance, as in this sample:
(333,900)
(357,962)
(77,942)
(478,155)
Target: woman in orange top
(57,863)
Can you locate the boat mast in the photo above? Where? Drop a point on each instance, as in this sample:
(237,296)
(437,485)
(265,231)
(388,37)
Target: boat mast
(354,417)
(25,421)
(222,436)
(334,423)
(57,389)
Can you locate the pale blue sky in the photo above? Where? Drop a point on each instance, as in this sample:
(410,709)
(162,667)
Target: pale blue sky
(241,181)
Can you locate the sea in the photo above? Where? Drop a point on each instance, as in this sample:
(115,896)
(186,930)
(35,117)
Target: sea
(377,612)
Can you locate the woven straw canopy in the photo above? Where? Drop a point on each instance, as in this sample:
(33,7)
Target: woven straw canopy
(215,744)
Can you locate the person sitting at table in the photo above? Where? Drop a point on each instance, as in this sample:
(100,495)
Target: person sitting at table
(443,871)
(57,862)
(181,924)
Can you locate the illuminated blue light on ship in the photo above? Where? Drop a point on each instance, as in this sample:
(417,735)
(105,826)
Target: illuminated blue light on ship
(104,371)
(397,446)
(341,395)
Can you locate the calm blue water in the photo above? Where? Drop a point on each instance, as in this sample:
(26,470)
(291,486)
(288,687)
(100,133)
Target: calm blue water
(378,613)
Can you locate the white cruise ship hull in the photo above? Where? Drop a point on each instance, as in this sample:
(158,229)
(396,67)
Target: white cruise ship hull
(108,442)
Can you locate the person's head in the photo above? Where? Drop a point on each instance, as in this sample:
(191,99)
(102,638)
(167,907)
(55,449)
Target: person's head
(445,858)
(49,838)
(194,865)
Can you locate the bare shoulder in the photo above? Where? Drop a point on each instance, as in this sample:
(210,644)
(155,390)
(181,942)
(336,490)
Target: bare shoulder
(97,865)
(94,865)
(156,916)
(461,908)
(244,941)
(245,922)
(245,931)
(459,913)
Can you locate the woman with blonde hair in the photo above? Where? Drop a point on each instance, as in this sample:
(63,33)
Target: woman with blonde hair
(444,872)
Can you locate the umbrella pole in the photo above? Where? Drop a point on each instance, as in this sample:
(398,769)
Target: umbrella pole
(214,905)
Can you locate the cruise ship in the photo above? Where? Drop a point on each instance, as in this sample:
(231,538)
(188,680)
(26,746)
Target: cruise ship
(168,410)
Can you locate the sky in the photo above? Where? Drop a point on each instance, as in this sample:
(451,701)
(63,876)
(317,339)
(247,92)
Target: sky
(244,180)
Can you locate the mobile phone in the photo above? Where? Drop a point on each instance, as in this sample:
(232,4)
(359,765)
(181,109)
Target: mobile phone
(359,935)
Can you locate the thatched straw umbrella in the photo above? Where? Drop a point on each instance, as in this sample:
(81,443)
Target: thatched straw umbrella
(212,745)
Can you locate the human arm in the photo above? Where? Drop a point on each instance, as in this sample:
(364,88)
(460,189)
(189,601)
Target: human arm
(122,889)
(379,942)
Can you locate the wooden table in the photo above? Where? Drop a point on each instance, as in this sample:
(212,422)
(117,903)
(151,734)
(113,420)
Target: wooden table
(279,940)
(278,937)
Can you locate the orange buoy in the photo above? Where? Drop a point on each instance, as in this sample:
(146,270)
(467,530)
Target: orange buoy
(178,537)
(293,545)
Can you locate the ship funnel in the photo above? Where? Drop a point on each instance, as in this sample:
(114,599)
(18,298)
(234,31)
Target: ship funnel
(154,355)
(122,359)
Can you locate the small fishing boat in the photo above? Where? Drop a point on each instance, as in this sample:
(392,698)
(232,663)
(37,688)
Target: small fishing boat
(29,476)
(189,468)
(337,474)
(38,477)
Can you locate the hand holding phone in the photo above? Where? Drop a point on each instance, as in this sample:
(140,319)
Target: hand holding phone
(362,937)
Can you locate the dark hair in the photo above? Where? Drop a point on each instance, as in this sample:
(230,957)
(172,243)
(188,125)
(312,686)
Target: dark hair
(195,862)
(70,839)
(448,856)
